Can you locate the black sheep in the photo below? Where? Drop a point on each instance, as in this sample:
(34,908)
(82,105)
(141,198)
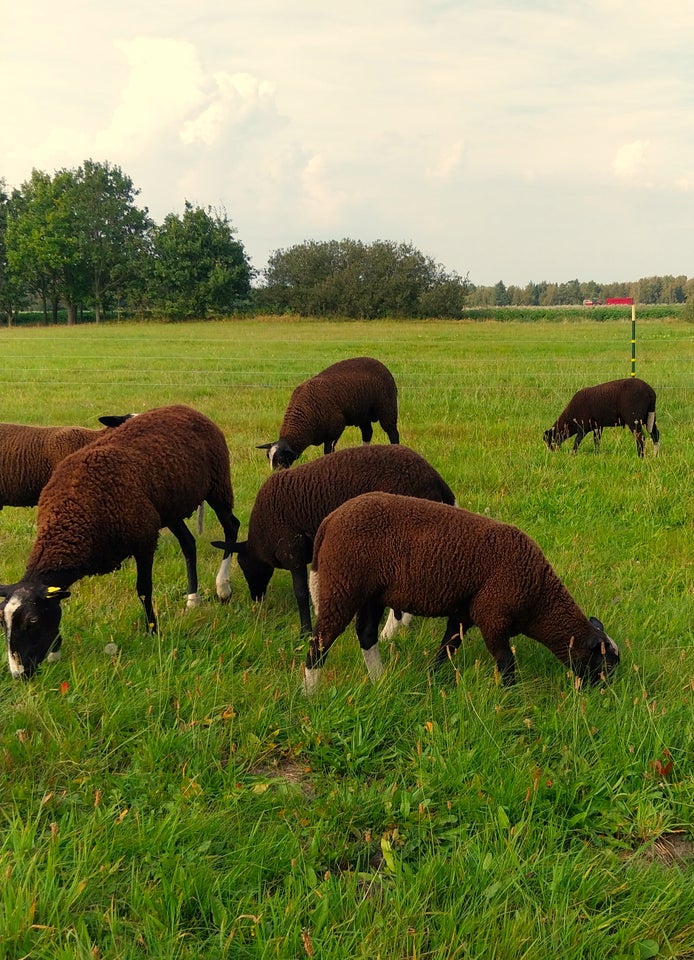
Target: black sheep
(619,403)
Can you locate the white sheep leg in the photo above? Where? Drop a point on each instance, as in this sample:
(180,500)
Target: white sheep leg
(392,624)
(374,664)
(193,600)
(222,582)
(311,680)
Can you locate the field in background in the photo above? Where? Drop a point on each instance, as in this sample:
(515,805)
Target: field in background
(184,800)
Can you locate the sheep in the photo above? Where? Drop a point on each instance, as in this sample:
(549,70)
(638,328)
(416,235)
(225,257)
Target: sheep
(290,505)
(350,393)
(382,549)
(28,456)
(107,502)
(629,402)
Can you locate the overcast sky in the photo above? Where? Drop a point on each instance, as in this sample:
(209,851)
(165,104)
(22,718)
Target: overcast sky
(524,140)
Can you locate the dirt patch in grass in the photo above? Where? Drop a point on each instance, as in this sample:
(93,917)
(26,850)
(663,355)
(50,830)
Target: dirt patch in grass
(669,849)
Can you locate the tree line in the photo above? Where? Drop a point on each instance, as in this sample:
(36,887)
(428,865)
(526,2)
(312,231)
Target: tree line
(650,290)
(77,241)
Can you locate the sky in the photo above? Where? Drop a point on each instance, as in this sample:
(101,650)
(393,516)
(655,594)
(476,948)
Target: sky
(521,141)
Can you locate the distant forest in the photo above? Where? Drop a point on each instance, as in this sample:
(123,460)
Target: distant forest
(75,246)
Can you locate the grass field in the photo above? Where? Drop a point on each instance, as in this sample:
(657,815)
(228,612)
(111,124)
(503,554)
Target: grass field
(183,800)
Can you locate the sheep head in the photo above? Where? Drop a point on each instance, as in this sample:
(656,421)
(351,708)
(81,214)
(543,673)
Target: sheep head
(280,453)
(603,653)
(30,616)
(257,573)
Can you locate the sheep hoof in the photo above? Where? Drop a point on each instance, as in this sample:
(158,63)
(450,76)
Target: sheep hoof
(193,601)
(111,649)
(53,656)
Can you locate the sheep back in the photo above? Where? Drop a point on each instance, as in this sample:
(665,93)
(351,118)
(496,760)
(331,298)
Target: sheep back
(352,392)
(108,500)
(28,456)
(291,504)
(437,561)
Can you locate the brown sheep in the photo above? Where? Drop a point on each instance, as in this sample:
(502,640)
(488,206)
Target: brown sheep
(350,393)
(28,456)
(107,502)
(290,505)
(381,550)
(629,402)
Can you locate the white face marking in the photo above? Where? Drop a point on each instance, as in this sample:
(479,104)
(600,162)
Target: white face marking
(613,645)
(15,664)
(271,455)
(222,582)
(374,664)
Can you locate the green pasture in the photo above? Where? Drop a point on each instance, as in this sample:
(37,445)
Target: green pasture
(182,799)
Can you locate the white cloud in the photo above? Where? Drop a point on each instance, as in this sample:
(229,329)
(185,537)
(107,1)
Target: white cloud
(630,161)
(236,97)
(447,162)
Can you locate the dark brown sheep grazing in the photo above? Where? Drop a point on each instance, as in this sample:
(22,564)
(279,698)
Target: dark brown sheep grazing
(107,502)
(28,456)
(619,403)
(350,393)
(383,550)
(291,504)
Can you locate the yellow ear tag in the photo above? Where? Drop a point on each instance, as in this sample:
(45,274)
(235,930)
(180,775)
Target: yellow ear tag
(53,589)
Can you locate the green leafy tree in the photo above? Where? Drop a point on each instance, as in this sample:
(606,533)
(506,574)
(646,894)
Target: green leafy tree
(365,281)
(42,243)
(10,287)
(113,234)
(199,267)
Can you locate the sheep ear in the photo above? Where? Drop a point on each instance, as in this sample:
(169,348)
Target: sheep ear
(597,623)
(264,446)
(234,547)
(54,593)
(115,420)
(7,589)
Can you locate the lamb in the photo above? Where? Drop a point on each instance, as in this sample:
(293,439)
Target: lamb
(28,456)
(350,393)
(290,505)
(107,502)
(629,402)
(381,549)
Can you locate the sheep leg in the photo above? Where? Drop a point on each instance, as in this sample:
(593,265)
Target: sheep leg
(580,434)
(367,623)
(367,431)
(143,564)
(652,428)
(300,583)
(230,525)
(452,638)
(187,544)
(597,434)
(638,436)
(496,633)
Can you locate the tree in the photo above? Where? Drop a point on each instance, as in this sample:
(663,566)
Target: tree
(198,265)
(42,241)
(10,288)
(113,234)
(364,281)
